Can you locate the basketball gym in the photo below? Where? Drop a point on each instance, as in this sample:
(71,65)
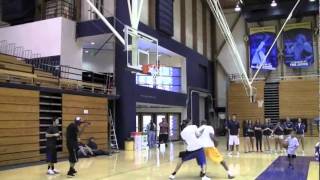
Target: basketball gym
(127,73)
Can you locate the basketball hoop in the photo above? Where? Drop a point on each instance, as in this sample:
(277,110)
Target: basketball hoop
(150,69)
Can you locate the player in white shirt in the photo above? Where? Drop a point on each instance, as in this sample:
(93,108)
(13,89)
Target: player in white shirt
(190,135)
(292,144)
(207,140)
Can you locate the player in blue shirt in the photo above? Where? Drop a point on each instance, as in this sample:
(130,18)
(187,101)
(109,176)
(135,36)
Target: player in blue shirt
(300,129)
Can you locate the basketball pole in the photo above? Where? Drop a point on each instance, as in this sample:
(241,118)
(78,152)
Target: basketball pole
(106,22)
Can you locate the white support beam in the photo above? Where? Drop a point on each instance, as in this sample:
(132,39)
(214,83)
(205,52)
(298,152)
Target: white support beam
(114,31)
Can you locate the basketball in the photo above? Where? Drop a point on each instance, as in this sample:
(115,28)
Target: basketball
(285,144)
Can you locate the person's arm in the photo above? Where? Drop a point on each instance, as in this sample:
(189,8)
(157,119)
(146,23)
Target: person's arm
(50,133)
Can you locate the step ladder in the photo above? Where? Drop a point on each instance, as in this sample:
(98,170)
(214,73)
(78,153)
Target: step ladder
(271,101)
(113,137)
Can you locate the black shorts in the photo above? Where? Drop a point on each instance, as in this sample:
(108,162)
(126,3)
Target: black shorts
(51,153)
(73,155)
(292,156)
(163,138)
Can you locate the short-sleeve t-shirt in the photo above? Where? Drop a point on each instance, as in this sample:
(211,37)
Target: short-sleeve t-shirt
(72,134)
(205,138)
(234,127)
(293,145)
(52,141)
(188,134)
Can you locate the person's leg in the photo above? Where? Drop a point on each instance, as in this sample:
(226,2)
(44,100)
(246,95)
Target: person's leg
(73,158)
(302,142)
(268,143)
(149,139)
(246,144)
(257,142)
(179,164)
(276,141)
(260,143)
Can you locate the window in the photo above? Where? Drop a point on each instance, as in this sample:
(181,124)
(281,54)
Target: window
(169,79)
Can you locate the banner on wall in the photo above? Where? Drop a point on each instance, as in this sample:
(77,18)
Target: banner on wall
(260,41)
(297,40)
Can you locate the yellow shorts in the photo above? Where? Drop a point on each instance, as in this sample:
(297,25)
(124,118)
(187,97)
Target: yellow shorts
(213,154)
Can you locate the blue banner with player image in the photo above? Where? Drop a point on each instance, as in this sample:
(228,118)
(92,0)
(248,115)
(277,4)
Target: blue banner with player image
(260,41)
(298,49)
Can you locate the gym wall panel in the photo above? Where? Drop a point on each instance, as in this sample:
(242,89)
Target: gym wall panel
(74,105)
(239,102)
(299,98)
(19,126)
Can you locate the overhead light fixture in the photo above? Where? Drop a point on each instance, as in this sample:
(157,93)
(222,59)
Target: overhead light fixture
(237,8)
(86,51)
(92,43)
(273,3)
(312,0)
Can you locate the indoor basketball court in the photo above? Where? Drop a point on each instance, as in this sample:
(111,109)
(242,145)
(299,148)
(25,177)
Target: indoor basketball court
(159,89)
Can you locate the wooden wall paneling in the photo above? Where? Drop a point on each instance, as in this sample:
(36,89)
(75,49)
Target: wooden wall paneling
(74,105)
(19,126)
(239,102)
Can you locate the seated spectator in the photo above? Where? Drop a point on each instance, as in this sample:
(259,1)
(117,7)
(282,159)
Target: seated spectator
(84,150)
(94,147)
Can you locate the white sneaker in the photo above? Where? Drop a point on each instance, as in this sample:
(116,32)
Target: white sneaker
(50,172)
(230,154)
(56,171)
(205,178)
(172,177)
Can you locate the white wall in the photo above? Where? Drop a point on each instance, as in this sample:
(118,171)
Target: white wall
(177,20)
(102,62)
(145,12)
(43,37)
(199,37)
(189,34)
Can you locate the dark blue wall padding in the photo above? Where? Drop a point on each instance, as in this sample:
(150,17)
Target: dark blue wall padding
(93,27)
(164,16)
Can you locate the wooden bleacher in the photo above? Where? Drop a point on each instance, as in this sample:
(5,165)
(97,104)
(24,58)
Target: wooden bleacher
(15,70)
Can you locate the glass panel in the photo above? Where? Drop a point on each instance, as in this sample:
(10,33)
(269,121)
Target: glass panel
(137,123)
(159,120)
(145,121)
(174,121)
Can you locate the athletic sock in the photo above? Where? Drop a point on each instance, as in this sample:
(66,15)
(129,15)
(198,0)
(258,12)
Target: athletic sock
(229,173)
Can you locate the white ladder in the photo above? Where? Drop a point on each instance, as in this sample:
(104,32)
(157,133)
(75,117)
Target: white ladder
(113,137)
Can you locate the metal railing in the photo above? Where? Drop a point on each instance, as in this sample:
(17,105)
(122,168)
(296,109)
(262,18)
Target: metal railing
(47,64)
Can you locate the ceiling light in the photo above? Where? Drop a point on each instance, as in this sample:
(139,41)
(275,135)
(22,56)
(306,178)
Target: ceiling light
(237,8)
(92,43)
(273,3)
(86,51)
(312,0)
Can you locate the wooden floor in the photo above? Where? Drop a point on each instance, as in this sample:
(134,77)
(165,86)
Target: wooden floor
(154,165)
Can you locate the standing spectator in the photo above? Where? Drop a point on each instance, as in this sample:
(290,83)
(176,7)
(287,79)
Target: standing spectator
(52,135)
(267,131)
(73,133)
(288,127)
(278,136)
(226,124)
(164,131)
(234,130)
(251,135)
(300,128)
(258,135)
(151,131)
(246,136)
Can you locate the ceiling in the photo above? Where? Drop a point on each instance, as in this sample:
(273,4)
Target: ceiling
(227,4)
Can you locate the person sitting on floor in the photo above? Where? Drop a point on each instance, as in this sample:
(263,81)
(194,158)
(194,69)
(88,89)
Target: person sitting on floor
(94,147)
(84,150)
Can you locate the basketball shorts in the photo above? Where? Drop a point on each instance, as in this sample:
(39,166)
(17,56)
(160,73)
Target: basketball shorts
(292,156)
(199,155)
(73,155)
(234,140)
(213,154)
(278,136)
(51,153)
